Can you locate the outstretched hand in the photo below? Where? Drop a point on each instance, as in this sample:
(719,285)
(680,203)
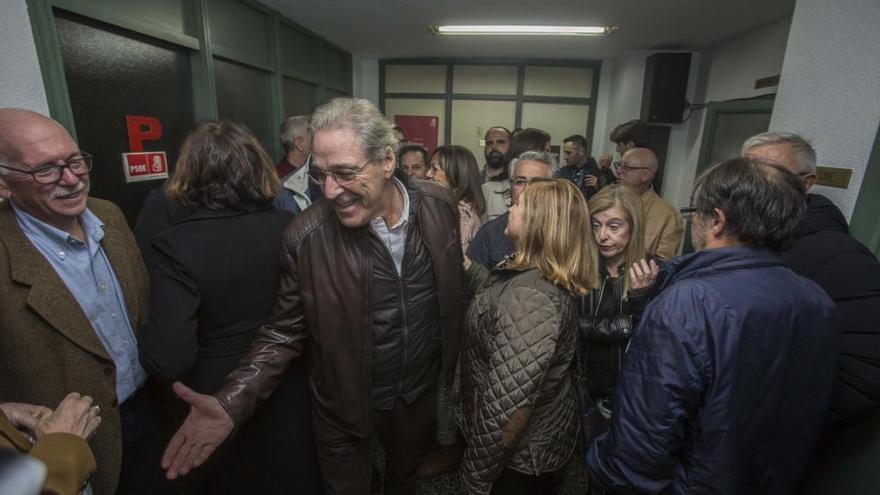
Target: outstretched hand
(642,276)
(204,429)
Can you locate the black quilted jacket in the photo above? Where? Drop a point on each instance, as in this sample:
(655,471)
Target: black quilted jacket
(515,401)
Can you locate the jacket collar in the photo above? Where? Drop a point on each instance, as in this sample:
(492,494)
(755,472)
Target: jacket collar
(711,261)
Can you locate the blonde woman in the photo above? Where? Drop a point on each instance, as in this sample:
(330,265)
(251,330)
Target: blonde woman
(516,403)
(609,313)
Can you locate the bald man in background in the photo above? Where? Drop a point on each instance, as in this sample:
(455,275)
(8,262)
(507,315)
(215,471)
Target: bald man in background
(664,225)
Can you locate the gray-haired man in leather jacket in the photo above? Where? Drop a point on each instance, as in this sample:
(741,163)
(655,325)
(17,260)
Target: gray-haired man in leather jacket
(371,292)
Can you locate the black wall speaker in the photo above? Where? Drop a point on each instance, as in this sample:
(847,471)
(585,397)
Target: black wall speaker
(666,78)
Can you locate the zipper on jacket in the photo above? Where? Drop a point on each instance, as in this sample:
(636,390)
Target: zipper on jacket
(404,318)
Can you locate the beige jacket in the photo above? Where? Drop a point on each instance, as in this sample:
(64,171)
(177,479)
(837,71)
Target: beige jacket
(69,461)
(664,226)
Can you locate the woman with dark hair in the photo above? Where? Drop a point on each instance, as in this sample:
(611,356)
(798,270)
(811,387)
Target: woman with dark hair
(608,314)
(213,278)
(515,400)
(455,168)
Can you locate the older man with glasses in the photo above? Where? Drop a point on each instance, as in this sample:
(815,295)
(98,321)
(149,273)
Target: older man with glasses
(491,245)
(73,292)
(664,225)
(371,291)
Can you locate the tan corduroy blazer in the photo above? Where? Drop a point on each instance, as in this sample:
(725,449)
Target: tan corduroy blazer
(664,226)
(47,344)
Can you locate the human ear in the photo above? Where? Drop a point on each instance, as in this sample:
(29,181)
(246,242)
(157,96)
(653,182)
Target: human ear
(810,180)
(718,222)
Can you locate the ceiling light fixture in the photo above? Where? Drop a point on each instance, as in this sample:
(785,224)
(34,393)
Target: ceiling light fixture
(523,30)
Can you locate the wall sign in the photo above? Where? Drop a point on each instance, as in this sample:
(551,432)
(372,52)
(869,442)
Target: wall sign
(140,165)
(145,165)
(419,129)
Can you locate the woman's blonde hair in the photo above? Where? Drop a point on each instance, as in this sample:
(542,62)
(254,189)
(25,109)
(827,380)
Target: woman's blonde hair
(617,195)
(556,238)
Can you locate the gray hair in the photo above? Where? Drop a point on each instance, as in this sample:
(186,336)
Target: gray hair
(806,155)
(361,117)
(292,128)
(535,156)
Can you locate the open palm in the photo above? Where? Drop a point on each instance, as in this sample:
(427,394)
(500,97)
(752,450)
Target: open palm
(204,429)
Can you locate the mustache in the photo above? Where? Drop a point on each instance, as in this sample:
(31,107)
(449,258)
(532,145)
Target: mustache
(66,191)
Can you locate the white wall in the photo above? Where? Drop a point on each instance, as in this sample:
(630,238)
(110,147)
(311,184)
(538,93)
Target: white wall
(366,78)
(736,63)
(22,83)
(830,87)
(725,71)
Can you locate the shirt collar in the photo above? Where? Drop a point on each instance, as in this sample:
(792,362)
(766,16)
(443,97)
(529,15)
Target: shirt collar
(404,210)
(56,238)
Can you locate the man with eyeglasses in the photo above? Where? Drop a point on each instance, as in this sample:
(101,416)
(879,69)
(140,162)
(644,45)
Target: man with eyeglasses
(371,292)
(73,292)
(826,253)
(491,245)
(664,226)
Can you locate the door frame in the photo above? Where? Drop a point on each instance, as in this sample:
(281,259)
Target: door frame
(865,222)
(717,109)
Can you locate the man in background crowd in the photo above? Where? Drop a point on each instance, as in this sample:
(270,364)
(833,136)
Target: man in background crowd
(298,191)
(582,169)
(498,150)
(414,161)
(664,226)
(491,245)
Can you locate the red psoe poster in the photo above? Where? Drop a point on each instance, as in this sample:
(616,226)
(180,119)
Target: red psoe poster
(419,129)
(145,165)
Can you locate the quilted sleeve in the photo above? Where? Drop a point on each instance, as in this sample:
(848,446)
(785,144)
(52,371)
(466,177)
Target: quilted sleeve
(524,338)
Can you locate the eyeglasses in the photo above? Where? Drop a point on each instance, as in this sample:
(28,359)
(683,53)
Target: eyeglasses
(620,166)
(343,176)
(51,174)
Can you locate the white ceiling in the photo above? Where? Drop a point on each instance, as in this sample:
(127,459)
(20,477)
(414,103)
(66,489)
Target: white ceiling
(398,28)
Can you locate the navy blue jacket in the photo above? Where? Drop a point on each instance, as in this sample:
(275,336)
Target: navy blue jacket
(726,381)
(491,244)
(604,175)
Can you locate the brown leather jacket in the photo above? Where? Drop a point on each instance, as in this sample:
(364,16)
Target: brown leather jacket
(324,300)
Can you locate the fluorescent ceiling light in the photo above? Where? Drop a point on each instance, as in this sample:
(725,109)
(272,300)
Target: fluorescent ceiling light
(523,30)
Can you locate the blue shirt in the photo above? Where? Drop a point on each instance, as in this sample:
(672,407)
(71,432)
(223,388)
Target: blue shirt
(86,271)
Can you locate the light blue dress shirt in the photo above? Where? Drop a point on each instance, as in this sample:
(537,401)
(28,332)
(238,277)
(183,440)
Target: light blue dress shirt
(87,273)
(394,238)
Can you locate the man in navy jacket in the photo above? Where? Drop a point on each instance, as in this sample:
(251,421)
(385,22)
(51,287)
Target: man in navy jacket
(727,377)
